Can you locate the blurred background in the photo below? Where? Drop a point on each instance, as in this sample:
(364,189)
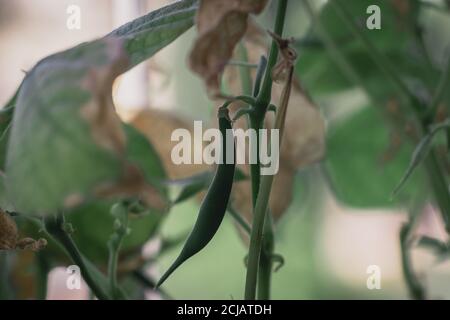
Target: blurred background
(336,225)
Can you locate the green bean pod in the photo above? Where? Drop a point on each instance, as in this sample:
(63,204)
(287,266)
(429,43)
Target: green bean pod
(214,205)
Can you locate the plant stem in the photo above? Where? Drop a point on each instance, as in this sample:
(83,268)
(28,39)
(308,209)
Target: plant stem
(114,245)
(439,185)
(265,259)
(6,290)
(239,219)
(265,93)
(43,268)
(242,64)
(55,227)
(261,208)
(261,187)
(441,89)
(244,73)
(416,289)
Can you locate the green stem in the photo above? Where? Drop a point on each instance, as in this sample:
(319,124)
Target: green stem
(6,290)
(261,208)
(55,227)
(265,262)
(415,287)
(242,64)
(43,268)
(265,93)
(239,219)
(261,230)
(439,186)
(244,73)
(440,91)
(114,246)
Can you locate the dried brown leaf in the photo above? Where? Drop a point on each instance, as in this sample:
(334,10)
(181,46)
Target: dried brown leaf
(157,126)
(221,24)
(99,112)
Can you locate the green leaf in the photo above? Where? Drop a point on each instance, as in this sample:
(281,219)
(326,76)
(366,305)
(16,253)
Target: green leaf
(322,72)
(354,167)
(66,143)
(6,115)
(93,225)
(420,153)
(141,153)
(5,202)
(146,35)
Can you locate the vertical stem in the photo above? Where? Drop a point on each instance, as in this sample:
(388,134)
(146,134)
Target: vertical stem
(265,260)
(120,212)
(261,208)
(263,229)
(6,290)
(55,227)
(416,289)
(43,268)
(266,88)
(439,186)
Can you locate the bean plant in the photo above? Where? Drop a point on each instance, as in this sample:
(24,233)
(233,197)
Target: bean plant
(78,186)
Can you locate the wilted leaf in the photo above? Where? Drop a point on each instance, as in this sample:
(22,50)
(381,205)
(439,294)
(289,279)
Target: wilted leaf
(221,24)
(67,143)
(157,126)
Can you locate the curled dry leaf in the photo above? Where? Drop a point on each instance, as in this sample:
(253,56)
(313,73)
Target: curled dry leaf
(64,119)
(157,126)
(221,24)
(9,236)
(99,112)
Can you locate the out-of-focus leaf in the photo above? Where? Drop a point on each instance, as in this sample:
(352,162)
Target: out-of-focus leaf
(5,202)
(354,165)
(6,115)
(221,24)
(420,153)
(321,73)
(93,225)
(145,36)
(66,142)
